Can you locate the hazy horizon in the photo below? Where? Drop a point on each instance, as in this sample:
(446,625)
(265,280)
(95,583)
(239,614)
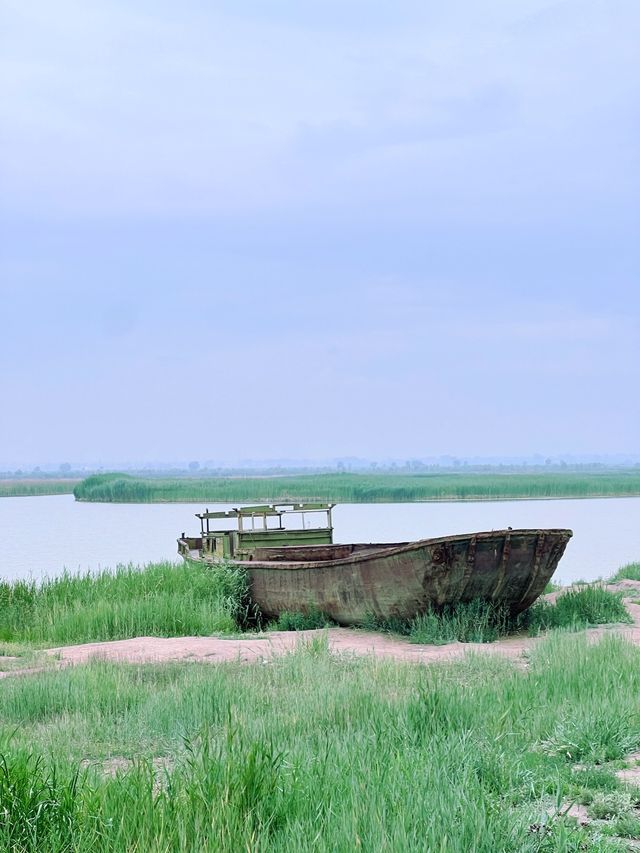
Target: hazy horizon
(319,230)
(336,463)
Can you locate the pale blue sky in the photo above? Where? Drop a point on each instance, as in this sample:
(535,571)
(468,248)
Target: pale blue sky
(319,229)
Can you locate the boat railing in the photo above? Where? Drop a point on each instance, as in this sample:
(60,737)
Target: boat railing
(250,518)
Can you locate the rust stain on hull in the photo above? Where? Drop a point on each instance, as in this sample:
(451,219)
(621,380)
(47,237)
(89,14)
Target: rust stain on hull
(351,583)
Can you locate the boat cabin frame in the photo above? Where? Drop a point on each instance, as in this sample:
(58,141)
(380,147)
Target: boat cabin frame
(263,526)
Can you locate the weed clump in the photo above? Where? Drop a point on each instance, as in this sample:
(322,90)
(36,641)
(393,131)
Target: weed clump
(312,619)
(609,805)
(578,608)
(476,621)
(596,778)
(629,572)
(607,738)
(627,826)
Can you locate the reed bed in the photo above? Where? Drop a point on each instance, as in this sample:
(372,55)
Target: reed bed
(361,488)
(314,752)
(161,599)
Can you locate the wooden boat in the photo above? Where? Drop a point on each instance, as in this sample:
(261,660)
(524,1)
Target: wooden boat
(299,569)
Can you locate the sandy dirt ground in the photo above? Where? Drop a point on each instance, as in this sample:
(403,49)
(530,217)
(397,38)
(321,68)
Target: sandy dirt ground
(341,640)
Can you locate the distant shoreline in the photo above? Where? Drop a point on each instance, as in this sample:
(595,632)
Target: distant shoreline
(361,488)
(37,487)
(381,501)
(336,488)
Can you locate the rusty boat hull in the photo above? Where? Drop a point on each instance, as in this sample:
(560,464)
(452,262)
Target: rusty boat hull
(353,583)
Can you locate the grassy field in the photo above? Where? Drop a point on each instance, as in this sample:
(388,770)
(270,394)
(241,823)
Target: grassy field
(363,488)
(32,487)
(321,753)
(310,751)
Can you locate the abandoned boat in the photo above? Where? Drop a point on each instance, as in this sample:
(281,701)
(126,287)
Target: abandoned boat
(293,565)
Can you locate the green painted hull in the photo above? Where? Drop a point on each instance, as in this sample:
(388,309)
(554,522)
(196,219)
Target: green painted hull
(351,583)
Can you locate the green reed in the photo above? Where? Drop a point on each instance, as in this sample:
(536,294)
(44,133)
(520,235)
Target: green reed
(361,488)
(161,599)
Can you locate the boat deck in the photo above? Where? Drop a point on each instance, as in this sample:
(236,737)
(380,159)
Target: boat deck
(298,555)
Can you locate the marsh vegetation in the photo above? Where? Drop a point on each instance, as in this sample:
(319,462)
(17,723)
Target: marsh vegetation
(362,488)
(310,750)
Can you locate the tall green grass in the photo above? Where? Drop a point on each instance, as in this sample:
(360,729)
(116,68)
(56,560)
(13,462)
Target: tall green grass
(361,488)
(485,621)
(473,622)
(314,752)
(629,572)
(295,621)
(578,607)
(162,599)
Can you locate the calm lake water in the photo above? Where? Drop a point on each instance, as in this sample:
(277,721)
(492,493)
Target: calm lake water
(44,535)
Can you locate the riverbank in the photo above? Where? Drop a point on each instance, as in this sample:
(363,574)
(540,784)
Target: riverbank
(362,488)
(193,600)
(317,740)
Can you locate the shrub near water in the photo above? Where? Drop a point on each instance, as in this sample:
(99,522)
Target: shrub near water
(161,599)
